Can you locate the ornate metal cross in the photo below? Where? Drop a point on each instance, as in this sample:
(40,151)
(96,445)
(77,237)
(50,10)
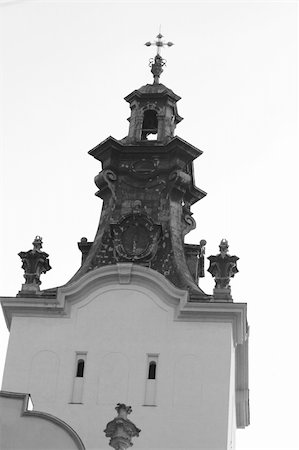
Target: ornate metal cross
(159,43)
(158,62)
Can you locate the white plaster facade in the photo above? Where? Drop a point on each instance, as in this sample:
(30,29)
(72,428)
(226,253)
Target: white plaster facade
(22,429)
(117,316)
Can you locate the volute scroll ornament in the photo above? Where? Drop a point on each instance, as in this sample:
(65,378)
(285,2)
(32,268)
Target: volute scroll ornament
(189,223)
(104,180)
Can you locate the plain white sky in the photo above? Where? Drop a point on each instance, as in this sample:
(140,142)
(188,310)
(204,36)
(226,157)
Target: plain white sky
(65,68)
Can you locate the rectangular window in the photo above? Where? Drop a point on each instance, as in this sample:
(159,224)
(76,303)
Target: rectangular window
(151,380)
(79,375)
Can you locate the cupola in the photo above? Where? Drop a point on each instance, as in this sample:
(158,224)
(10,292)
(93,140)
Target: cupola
(154,114)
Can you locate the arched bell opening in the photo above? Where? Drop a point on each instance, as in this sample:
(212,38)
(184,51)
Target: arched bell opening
(149,125)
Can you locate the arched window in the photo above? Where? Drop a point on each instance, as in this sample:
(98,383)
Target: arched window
(152,370)
(79,379)
(151,379)
(80,368)
(150,123)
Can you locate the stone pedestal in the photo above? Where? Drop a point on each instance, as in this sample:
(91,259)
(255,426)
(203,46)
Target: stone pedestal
(31,288)
(222,295)
(34,262)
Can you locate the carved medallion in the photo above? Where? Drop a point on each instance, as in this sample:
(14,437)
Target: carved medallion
(144,167)
(143,173)
(135,238)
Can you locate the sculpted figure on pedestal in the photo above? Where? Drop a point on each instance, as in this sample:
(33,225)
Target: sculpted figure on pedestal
(35,262)
(223,266)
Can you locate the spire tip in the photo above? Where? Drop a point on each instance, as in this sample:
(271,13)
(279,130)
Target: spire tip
(158,62)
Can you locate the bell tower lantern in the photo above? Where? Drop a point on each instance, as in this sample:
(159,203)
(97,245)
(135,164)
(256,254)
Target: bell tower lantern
(154,114)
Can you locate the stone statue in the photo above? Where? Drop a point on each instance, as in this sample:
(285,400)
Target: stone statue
(121,430)
(223,266)
(35,262)
(201,258)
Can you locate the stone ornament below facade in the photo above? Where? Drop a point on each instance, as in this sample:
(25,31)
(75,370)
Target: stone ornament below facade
(121,430)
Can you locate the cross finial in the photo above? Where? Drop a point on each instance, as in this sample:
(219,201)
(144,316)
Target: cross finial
(158,62)
(159,43)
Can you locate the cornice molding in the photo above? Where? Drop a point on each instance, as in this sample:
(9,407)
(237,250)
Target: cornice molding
(234,313)
(122,273)
(128,273)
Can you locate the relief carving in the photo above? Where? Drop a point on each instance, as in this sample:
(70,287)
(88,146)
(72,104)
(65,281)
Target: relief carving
(136,237)
(144,167)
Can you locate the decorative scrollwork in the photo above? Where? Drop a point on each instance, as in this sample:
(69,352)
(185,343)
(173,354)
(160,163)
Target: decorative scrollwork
(188,221)
(105,179)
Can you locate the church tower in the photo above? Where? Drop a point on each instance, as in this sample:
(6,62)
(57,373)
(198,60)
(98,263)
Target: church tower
(132,326)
